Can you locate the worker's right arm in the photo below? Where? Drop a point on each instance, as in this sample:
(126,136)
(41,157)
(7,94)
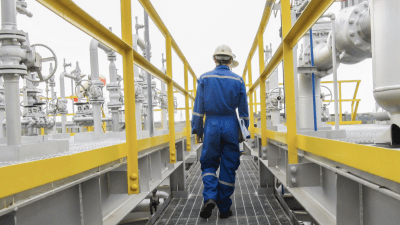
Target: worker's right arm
(243,106)
(198,110)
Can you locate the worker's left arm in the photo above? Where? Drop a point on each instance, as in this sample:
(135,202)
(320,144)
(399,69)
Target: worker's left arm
(198,111)
(243,106)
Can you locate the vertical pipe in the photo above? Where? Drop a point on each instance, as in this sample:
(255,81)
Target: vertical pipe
(313,81)
(94,68)
(1,122)
(8,15)
(72,93)
(63,123)
(171,121)
(113,94)
(149,89)
(263,104)
(335,87)
(129,93)
(188,130)
(13,125)
(289,85)
(138,104)
(2,109)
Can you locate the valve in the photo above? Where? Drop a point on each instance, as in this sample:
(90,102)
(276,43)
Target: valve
(35,65)
(275,99)
(325,116)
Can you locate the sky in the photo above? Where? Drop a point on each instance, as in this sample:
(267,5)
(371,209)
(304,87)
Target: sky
(198,27)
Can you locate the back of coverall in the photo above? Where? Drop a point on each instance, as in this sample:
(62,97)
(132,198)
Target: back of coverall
(220,92)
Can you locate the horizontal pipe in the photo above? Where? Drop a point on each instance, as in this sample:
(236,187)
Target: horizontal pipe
(82,119)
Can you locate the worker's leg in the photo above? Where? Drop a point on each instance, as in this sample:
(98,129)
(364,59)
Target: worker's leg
(230,161)
(210,158)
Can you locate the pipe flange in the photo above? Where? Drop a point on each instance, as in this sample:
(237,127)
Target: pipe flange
(13,69)
(19,35)
(353,44)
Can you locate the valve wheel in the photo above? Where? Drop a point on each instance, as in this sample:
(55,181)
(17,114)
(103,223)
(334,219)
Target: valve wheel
(279,98)
(330,94)
(48,59)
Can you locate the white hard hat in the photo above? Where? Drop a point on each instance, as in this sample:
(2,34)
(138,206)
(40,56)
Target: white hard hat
(223,50)
(234,62)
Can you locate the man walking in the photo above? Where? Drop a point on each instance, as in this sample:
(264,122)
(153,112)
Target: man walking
(220,92)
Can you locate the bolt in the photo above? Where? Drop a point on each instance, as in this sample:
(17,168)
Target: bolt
(366,4)
(294,181)
(358,43)
(369,48)
(356,11)
(173,159)
(352,33)
(293,169)
(134,187)
(351,21)
(133,176)
(172,153)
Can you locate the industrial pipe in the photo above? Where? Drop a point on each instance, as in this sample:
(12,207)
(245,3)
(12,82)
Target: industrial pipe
(335,83)
(11,86)
(8,15)
(381,116)
(94,67)
(2,107)
(150,119)
(386,64)
(63,100)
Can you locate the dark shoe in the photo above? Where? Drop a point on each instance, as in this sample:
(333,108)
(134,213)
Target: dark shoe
(225,215)
(208,206)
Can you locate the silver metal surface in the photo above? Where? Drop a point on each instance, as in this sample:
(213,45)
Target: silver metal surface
(385,55)
(150,119)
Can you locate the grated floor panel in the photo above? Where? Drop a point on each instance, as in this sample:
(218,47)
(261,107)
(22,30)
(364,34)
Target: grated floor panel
(247,208)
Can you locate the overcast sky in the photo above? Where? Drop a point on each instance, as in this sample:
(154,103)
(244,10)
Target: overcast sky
(197,26)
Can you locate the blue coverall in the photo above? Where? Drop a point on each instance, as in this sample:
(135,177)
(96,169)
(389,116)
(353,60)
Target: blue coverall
(220,92)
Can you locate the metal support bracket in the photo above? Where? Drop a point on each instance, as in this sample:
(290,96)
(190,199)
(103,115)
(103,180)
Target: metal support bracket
(304,175)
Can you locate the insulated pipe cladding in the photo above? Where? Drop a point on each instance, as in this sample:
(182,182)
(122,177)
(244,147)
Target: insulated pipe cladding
(385,23)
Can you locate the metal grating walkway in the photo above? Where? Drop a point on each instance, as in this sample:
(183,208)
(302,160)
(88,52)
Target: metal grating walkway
(247,208)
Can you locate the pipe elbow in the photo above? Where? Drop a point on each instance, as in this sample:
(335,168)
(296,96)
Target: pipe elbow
(94,45)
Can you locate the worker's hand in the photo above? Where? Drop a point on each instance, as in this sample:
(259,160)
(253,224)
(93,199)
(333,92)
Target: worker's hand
(199,138)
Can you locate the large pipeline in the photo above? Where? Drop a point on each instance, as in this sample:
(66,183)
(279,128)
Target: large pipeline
(385,23)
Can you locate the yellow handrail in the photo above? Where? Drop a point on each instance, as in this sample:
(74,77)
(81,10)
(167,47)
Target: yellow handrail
(45,171)
(340,100)
(374,160)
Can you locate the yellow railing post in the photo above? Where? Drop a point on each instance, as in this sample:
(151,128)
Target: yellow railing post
(42,131)
(171,122)
(263,109)
(340,102)
(250,78)
(188,129)
(194,95)
(129,93)
(289,85)
(251,115)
